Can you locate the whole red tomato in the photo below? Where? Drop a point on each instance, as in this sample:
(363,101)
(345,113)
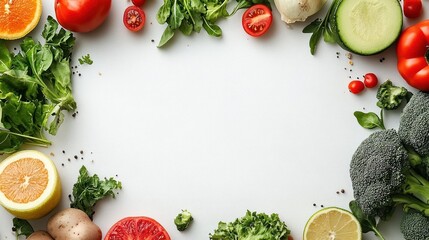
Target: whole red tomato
(413,55)
(82,15)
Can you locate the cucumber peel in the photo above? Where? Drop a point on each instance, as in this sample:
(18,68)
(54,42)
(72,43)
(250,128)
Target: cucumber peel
(364,27)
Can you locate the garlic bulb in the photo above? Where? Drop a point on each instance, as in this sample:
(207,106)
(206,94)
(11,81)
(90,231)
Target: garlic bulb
(297,10)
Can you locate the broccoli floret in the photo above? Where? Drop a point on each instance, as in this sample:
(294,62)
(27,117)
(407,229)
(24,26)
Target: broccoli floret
(183,220)
(413,126)
(414,226)
(382,177)
(377,171)
(390,96)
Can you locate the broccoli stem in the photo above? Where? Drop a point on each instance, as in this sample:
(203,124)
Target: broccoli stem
(411,202)
(378,233)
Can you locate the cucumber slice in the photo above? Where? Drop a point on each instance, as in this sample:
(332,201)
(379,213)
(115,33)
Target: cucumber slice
(367,27)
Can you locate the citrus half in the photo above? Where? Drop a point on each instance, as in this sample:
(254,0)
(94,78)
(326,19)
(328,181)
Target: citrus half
(332,223)
(18,17)
(29,184)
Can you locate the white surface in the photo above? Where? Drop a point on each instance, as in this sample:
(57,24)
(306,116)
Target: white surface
(213,125)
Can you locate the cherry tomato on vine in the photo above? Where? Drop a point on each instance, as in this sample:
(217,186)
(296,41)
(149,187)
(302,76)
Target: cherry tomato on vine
(81,15)
(356,86)
(137,228)
(413,8)
(134,18)
(138,3)
(257,20)
(370,80)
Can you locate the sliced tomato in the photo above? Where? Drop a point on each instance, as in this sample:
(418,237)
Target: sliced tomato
(137,228)
(134,18)
(257,20)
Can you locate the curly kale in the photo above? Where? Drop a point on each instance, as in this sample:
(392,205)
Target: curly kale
(252,226)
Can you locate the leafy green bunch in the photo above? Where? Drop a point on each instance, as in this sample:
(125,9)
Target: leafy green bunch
(35,87)
(189,16)
(252,226)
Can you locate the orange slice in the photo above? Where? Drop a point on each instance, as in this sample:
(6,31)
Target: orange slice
(18,17)
(29,184)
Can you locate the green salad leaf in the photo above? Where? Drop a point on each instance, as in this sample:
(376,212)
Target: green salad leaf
(88,190)
(252,226)
(35,88)
(188,16)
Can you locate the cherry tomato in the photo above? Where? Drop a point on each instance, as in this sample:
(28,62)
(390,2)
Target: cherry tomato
(137,228)
(138,3)
(82,15)
(134,18)
(412,8)
(356,86)
(370,80)
(257,20)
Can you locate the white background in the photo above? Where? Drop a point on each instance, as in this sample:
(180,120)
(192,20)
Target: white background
(213,125)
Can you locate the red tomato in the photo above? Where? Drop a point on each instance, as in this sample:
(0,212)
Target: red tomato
(82,15)
(137,228)
(138,3)
(134,18)
(356,86)
(412,54)
(257,20)
(370,80)
(412,8)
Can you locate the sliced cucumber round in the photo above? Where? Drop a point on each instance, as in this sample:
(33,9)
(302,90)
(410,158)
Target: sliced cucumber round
(367,27)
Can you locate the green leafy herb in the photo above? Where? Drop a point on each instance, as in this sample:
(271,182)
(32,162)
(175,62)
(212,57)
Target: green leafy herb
(35,88)
(322,28)
(22,227)
(252,226)
(86,59)
(368,223)
(188,16)
(88,190)
(369,120)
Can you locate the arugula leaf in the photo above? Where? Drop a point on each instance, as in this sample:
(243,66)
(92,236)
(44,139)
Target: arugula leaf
(22,227)
(211,28)
(248,3)
(319,28)
(88,190)
(35,84)
(164,12)
(216,9)
(166,36)
(86,59)
(176,16)
(5,58)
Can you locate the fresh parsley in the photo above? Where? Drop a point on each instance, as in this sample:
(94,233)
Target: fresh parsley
(88,190)
(86,59)
(22,227)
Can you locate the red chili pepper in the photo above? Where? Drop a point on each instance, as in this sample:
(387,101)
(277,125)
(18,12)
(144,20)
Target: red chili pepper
(413,55)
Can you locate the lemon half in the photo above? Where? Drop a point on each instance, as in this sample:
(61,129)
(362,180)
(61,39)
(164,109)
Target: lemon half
(29,184)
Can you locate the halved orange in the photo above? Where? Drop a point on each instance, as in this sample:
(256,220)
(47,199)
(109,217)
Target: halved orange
(18,17)
(29,184)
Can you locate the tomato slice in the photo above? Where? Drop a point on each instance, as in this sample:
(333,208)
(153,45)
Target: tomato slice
(134,18)
(137,228)
(257,20)
(138,3)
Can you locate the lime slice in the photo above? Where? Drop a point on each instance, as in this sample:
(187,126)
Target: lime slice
(332,223)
